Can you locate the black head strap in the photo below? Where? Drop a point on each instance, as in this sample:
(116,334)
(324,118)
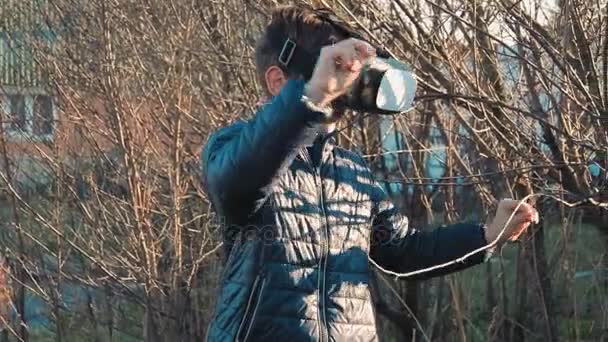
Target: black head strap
(299,59)
(287,52)
(345,28)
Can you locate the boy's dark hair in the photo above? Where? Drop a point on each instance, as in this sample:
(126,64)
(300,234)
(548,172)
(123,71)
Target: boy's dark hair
(310,29)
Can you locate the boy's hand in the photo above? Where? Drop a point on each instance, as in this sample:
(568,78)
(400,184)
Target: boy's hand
(522,219)
(337,68)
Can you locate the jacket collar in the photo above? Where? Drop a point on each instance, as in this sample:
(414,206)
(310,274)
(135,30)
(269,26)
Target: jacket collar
(320,149)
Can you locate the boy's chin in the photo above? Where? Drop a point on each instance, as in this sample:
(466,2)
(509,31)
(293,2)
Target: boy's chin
(328,128)
(337,114)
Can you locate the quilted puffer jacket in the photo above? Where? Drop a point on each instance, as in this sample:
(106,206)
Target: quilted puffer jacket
(301,217)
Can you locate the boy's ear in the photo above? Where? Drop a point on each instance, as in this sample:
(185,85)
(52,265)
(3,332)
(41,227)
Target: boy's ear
(275,79)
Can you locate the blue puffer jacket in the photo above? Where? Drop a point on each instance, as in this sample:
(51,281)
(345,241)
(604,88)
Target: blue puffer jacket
(301,217)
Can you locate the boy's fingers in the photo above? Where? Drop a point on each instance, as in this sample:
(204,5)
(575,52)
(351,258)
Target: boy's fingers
(521,221)
(344,56)
(526,209)
(514,204)
(360,48)
(355,66)
(523,217)
(365,49)
(350,54)
(515,236)
(534,215)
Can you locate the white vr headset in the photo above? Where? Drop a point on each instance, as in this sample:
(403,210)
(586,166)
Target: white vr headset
(397,88)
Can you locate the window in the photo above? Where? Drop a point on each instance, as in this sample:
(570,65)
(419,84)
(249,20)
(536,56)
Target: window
(42,115)
(28,115)
(16,112)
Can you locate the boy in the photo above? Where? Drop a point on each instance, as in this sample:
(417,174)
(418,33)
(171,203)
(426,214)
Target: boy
(302,215)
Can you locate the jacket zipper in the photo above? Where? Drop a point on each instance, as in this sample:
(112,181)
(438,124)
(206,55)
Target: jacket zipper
(323,330)
(250,302)
(255,310)
(324,257)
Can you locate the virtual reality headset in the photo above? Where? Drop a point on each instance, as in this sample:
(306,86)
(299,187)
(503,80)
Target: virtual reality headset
(385,86)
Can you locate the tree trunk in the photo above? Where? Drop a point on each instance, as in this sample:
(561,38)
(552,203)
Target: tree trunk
(543,279)
(521,297)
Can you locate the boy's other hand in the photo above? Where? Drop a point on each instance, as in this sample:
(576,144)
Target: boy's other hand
(525,215)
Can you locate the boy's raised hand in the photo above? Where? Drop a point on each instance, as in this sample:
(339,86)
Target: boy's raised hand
(337,68)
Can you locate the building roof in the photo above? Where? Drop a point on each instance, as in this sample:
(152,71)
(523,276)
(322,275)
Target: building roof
(22,28)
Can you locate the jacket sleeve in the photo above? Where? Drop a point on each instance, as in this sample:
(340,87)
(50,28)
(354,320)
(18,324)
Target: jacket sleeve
(399,248)
(240,163)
